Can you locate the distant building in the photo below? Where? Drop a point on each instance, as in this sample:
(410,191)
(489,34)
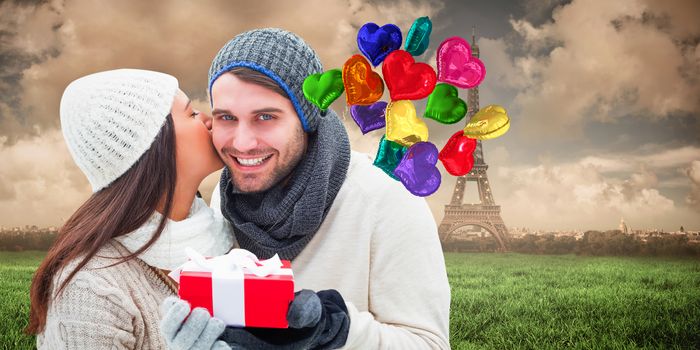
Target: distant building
(623,226)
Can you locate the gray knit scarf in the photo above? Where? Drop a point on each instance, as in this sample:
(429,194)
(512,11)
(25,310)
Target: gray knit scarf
(283,219)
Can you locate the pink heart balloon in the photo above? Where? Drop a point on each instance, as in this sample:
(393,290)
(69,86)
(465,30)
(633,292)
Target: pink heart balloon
(457,66)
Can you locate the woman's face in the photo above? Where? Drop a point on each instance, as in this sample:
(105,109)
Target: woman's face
(196,155)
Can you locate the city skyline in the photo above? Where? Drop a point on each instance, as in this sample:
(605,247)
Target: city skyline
(513,231)
(602,96)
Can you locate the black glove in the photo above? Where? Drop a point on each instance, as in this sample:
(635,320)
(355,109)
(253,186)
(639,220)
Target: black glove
(316,321)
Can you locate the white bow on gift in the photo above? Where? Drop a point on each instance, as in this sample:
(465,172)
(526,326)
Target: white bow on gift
(237,260)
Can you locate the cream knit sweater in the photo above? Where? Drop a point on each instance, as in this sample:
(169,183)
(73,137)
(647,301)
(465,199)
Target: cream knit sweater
(379,247)
(118,306)
(106,308)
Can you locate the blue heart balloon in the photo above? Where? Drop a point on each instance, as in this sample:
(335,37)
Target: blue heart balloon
(418,36)
(377,42)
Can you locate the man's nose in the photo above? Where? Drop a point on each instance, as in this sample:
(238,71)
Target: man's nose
(244,138)
(205,119)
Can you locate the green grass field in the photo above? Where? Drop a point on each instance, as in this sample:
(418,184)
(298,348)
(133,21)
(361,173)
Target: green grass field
(510,301)
(16,271)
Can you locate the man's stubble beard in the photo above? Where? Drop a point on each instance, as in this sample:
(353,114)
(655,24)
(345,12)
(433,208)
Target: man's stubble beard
(283,170)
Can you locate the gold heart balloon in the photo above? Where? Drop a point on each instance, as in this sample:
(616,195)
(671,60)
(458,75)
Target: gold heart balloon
(402,124)
(488,123)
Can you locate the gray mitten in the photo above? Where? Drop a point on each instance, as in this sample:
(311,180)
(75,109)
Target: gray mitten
(183,330)
(305,310)
(316,321)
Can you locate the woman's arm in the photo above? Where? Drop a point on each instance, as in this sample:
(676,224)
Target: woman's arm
(89,314)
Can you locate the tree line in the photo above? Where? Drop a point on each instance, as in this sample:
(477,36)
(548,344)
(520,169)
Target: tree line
(18,241)
(612,242)
(605,243)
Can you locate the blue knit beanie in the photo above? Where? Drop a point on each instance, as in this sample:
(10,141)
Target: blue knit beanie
(279,54)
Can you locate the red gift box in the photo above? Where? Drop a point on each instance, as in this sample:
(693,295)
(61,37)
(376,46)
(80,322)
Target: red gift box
(240,297)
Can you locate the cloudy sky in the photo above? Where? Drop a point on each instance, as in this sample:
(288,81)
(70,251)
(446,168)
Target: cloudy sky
(604,96)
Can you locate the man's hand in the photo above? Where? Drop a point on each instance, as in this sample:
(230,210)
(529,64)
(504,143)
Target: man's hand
(316,321)
(305,310)
(183,330)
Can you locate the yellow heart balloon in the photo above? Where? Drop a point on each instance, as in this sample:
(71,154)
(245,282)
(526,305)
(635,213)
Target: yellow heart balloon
(402,124)
(488,123)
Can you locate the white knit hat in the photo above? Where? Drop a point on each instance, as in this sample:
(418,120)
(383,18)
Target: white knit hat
(110,119)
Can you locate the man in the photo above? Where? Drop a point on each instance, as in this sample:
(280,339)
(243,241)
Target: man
(292,186)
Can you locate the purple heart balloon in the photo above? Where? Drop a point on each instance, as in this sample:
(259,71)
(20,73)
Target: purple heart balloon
(417,169)
(370,117)
(377,42)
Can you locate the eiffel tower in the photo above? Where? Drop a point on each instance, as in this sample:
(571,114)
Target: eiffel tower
(486,214)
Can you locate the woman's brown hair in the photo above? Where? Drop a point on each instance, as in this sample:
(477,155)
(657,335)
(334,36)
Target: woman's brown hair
(120,208)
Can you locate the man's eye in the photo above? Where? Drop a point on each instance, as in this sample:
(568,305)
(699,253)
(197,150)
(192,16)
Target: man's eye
(266,117)
(226,117)
(194,113)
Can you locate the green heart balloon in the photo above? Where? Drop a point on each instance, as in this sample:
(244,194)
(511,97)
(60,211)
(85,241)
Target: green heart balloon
(323,89)
(389,156)
(418,36)
(444,105)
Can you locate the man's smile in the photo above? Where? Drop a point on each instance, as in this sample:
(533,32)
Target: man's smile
(248,163)
(252,161)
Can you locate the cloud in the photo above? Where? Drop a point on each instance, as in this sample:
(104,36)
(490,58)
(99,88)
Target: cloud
(539,11)
(52,45)
(587,194)
(678,17)
(47,45)
(593,190)
(601,60)
(626,162)
(633,57)
(28,35)
(578,196)
(41,185)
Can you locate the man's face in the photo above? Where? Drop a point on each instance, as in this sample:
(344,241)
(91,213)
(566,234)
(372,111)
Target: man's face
(257,133)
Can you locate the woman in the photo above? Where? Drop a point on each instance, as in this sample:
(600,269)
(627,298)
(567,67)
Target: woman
(145,151)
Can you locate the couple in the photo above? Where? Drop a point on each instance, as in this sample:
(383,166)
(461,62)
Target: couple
(368,267)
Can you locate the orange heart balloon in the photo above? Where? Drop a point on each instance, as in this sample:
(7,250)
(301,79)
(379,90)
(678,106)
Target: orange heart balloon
(362,85)
(402,124)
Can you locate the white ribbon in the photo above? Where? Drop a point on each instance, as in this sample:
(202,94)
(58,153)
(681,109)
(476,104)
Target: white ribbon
(234,261)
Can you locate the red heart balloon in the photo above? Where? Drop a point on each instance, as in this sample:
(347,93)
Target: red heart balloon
(458,154)
(406,79)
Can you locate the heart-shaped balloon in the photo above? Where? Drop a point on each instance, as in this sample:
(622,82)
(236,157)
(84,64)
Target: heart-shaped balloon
(362,85)
(406,79)
(402,124)
(417,170)
(377,42)
(458,154)
(388,157)
(323,89)
(418,36)
(488,123)
(457,66)
(370,117)
(444,105)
